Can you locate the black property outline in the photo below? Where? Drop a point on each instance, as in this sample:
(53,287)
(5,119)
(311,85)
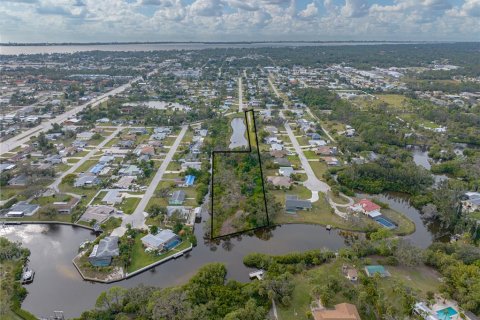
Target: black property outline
(261,174)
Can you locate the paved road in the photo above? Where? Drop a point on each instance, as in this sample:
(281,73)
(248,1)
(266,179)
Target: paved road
(24,137)
(240,95)
(137,218)
(312,183)
(77,165)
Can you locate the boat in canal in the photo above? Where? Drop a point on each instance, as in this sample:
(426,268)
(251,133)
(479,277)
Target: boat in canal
(27,275)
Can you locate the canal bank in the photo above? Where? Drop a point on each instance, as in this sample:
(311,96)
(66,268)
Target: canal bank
(59,286)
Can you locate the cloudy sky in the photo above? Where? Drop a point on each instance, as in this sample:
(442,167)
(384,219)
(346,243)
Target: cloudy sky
(236,20)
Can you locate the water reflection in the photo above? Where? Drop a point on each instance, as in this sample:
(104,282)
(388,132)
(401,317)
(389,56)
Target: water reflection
(58,286)
(238,138)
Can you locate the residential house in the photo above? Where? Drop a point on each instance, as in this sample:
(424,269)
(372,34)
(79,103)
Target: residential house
(112,197)
(99,213)
(54,159)
(66,207)
(292,204)
(342,311)
(145,150)
(326,151)
(278,153)
(106,159)
(164,240)
(126,144)
(138,131)
(317,143)
(79,144)
(282,162)
(103,252)
(165,130)
(177,198)
(85,135)
(281,182)
(367,207)
(20,180)
(276,147)
(130,170)
(124,182)
(182,211)
(286,171)
(22,208)
(331,161)
(191,164)
(158,136)
(6,166)
(86,179)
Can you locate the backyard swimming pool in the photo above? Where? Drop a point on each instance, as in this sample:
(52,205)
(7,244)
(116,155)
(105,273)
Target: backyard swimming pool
(446,314)
(385,222)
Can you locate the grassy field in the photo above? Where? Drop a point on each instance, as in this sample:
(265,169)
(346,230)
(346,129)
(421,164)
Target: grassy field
(319,167)
(86,165)
(7,192)
(405,225)
(129,204)
(395,100)
(309,154)
(140,258)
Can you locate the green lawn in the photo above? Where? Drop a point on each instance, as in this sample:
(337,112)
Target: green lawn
(7,192)
(140,258)
(69,160)
(86,165)
(309,154)
(128,205)
(319,167)
(405,225)
(42,201)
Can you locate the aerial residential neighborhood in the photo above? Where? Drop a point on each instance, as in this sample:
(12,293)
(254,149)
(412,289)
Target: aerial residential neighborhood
(240,181)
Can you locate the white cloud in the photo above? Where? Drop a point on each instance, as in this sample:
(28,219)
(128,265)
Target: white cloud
(232,20)
(309,12)
(355,8)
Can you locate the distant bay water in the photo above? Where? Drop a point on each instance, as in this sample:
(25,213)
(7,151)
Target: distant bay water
(54,48)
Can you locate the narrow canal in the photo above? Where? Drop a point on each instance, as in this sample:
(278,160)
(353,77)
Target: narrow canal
(58,286)
(238,138)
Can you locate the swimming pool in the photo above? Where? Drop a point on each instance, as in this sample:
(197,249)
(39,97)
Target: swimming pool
(446,314)
(172,244)
(385,222)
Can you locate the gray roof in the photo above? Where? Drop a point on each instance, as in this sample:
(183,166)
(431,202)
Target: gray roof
(158,239)
(24,207)
(178,195)
(112,196)
(107,247)
(293,203)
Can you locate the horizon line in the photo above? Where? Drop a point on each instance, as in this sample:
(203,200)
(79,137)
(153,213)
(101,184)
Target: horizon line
(227,42)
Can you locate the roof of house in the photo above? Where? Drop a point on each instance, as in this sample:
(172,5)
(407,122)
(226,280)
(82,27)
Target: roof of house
(279,181)
(342,311)
(368,205)
(178,196)
(158,239)
(286,170)
(112,196)
(292,203)
(24,207)
(107,247)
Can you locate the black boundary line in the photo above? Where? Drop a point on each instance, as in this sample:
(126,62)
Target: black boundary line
(261,174)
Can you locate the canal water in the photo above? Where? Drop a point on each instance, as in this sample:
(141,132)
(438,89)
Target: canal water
(421,158)
(58,286)
(238,138)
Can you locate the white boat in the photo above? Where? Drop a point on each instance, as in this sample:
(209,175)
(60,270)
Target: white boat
(27,275)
